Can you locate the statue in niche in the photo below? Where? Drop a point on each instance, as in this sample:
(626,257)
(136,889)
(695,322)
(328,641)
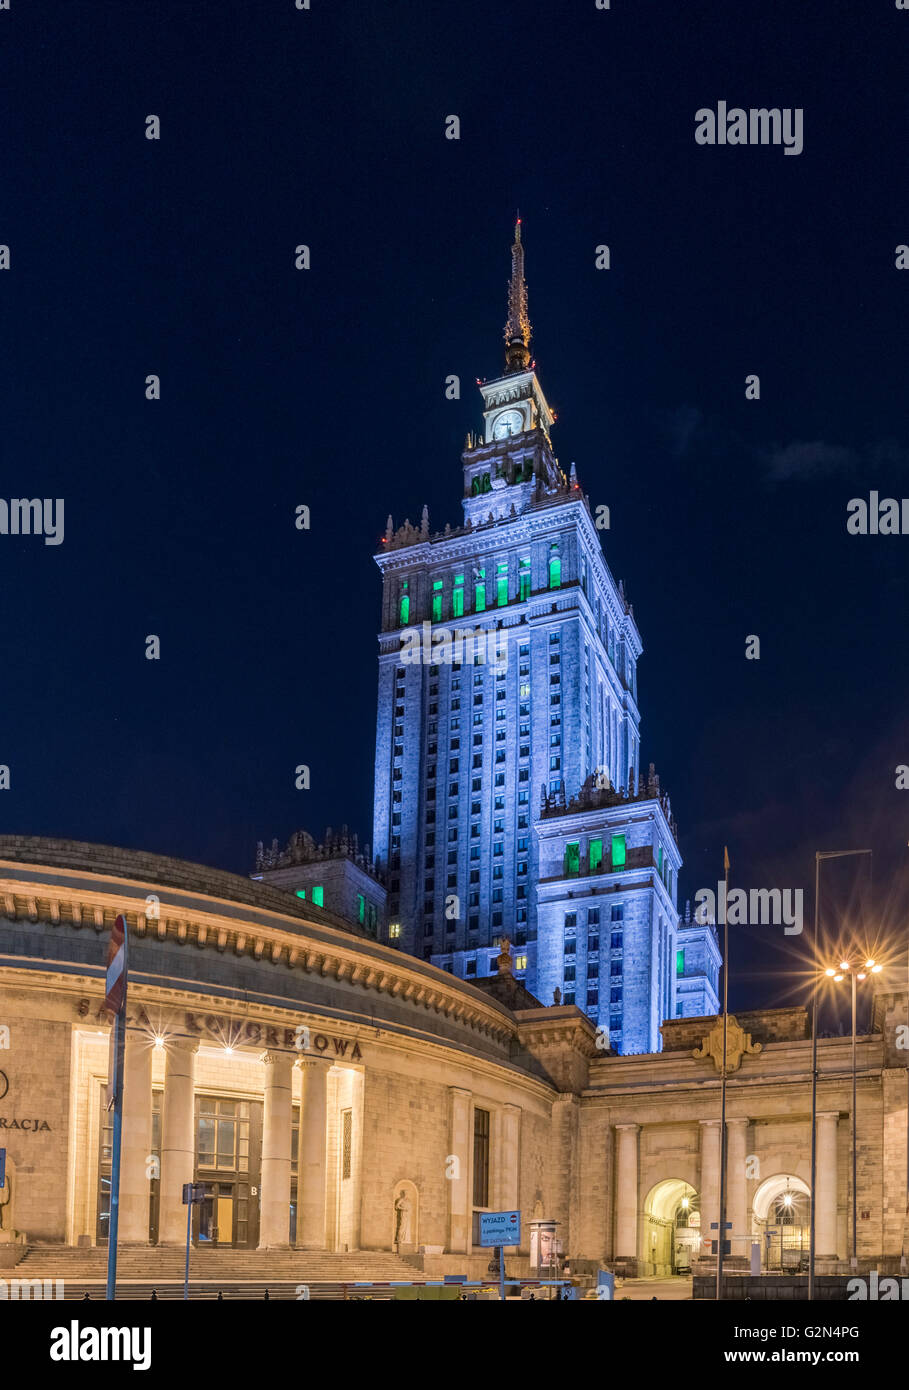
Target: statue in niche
(7,1231)
(403,1214)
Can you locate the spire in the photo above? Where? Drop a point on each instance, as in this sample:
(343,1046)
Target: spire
(517,329)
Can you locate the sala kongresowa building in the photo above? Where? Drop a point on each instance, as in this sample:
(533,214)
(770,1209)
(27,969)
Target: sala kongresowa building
(509,799)
(350,1107)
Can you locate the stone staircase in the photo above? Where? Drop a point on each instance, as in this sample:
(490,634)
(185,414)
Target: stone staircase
(236,1273)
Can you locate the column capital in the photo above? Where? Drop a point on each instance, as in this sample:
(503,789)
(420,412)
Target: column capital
(313,1063)
(460,1091)
(182,1042)
(714,1123)
(633,1128)
(828,1114)
(272,1059)
(739,1120)
(512,1109)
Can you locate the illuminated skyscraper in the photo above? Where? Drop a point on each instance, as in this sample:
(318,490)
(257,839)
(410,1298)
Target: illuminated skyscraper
(508,796)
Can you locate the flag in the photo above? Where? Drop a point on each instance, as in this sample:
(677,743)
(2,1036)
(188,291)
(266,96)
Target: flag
(116,967)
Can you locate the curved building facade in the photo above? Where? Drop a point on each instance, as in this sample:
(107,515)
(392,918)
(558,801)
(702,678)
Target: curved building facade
(333,1093)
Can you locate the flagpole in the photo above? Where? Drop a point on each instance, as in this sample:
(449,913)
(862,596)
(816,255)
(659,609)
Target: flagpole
(721,1232)
(116,998)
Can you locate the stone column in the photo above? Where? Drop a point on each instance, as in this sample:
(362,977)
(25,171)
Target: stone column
(825,1212)
(626,1216)
(710,1185)
(509,1186)
(274,1200)
(178,1141)
(135,1142)
(312,1169)
(457,1171)
(736,1205)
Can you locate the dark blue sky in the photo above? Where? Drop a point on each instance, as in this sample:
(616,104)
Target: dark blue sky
(326,387)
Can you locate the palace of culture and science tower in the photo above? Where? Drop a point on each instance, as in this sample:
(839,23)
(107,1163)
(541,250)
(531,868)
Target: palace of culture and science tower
(509,795)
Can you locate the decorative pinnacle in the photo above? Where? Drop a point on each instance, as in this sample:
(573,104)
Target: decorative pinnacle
(517,329)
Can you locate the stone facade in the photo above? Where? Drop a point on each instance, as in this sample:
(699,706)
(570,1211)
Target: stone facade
(278,1051)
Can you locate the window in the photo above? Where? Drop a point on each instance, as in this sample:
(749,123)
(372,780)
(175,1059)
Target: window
(502,584)
(457,597)
(596,855)
(555,571)
(361,909)
(520,962)
(572,860)
(593,917)
(680,962)
(479,600)
(481,1130)
(569,974)
(524,580)
(346,1137)
(301,892)
(394,931)
(318,894)
(405,605)
(618,851)
(437,601)
(617,913)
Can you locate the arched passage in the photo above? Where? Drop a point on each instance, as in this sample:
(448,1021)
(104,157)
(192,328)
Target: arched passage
(780,1220)
(671,1228)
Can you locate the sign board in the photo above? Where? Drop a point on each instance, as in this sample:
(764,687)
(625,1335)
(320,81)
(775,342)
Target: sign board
(500,1228)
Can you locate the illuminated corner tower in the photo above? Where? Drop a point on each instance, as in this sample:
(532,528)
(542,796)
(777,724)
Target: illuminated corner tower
(478,759)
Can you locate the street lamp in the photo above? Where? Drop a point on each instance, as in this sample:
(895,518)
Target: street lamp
(819,855)
(856,972)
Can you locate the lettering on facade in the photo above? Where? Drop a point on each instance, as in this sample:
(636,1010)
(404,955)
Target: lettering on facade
(34,1125)
(236,1032)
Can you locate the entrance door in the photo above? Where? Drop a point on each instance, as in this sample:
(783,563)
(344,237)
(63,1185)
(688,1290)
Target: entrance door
(214,1223)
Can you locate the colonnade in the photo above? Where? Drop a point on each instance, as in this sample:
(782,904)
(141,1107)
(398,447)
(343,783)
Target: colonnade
(178,1146)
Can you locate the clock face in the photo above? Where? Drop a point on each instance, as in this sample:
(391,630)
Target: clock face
(509,422)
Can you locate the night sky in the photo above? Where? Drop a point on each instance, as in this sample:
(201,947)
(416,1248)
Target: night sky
(325,387)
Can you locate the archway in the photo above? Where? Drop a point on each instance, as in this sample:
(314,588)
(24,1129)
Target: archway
(671,1229)
(780,1220)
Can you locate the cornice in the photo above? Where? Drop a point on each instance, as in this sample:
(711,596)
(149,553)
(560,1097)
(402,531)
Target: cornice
(310,948)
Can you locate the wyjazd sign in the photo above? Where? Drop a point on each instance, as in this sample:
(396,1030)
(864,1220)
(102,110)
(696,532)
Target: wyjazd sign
(500,1228)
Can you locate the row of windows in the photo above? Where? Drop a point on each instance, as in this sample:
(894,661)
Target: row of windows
(571,866)
(480,587)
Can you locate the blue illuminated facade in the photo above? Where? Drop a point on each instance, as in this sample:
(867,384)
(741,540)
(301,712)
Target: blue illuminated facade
(508,791)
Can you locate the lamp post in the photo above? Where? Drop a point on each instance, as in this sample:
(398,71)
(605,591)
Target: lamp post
(819,855)
(855,973)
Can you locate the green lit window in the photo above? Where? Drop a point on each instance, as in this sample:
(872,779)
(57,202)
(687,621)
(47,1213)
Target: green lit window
(318,894)
(555,572)
(301,892)
(524,581)
(405,605)
(361,908)
(596,855)
(479,602)
(660,858)
(572,860)
(437,601)
(680,962)
(457,597)
(502,584)
(618,851)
